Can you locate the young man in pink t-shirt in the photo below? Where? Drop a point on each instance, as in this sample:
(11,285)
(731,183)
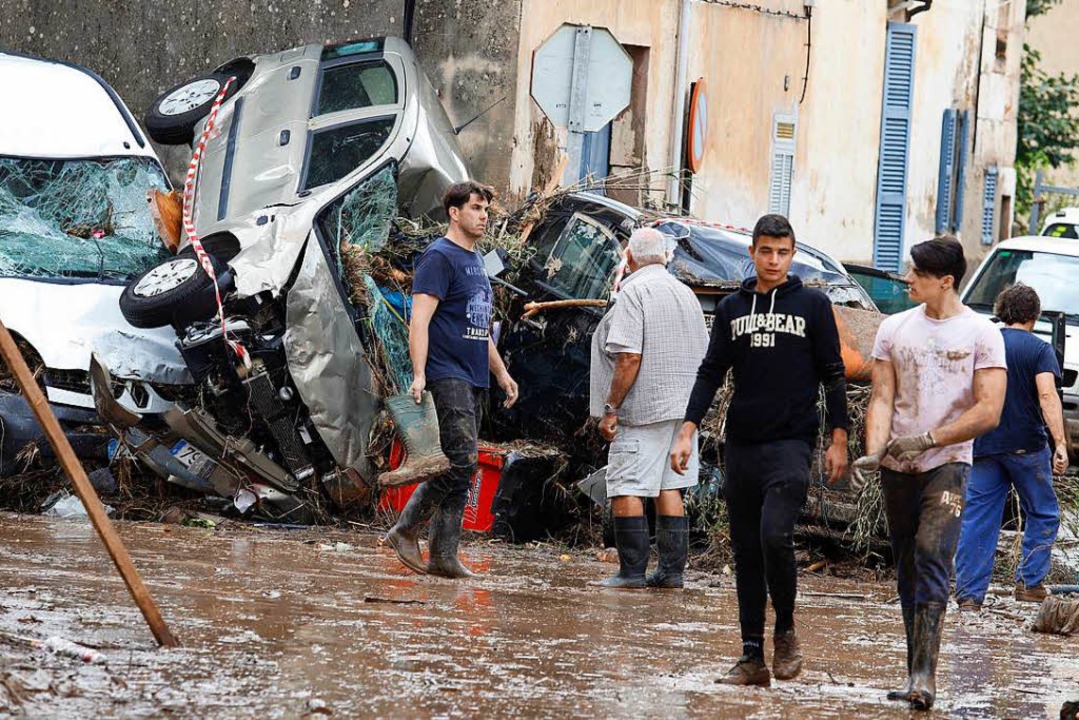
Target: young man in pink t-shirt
(939,381)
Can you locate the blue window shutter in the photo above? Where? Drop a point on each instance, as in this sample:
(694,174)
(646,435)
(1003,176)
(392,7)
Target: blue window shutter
(945,184)
(989,205)
(890,219)
(964,130)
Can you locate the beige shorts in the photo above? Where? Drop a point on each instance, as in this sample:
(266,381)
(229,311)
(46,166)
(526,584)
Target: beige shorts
(639,462)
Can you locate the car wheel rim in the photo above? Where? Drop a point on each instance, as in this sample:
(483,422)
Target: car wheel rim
(189,97)
(166,277)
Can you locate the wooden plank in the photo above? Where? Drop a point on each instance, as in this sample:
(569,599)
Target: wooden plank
(552,185)
(74,470)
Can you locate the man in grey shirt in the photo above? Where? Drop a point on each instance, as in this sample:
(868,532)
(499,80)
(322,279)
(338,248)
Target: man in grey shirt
(645,355)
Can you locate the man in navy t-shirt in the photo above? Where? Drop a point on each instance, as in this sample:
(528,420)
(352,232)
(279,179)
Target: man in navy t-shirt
(453,357)
(1015,454)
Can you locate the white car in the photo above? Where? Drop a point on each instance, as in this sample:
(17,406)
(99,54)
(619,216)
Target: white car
(75,227)
(1064,223)
(1049,265)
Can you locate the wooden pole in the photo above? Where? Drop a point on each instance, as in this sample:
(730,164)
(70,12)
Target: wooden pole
(532,308)
(550,187)
(36,399)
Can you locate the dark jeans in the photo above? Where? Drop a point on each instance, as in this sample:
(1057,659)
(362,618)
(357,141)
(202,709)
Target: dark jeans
(1031,474)
(459,406)
(925,514)
(765,489)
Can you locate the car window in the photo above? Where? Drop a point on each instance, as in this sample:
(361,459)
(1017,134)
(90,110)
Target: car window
(889,292)
(337,151)
(355,86)
(78,218)
(583,259)
(1061,230)
(1052,276)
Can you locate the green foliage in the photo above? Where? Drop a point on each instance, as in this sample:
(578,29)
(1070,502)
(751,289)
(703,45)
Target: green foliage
(1040,7)
(1048,128)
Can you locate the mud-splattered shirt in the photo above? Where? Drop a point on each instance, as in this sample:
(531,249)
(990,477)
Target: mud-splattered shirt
(934,363)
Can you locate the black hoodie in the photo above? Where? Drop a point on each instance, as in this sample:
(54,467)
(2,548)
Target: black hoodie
(782,346)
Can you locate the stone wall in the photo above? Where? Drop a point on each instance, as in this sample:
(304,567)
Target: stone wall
(143,48)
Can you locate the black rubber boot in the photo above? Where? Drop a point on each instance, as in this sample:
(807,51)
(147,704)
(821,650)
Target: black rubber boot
(908,623)
(928,626)
(631,539)
(672,540)
(445,537)
(404,537)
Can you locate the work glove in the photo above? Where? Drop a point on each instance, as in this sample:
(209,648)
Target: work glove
(907,447)
(862,469)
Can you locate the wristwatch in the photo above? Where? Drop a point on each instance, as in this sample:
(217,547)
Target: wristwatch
(609,409)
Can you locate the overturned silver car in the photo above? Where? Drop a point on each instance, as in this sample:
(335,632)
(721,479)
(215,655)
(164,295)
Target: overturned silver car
(310,162)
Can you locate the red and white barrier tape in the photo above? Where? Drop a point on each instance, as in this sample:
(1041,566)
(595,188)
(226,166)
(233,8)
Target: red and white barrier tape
(189,225)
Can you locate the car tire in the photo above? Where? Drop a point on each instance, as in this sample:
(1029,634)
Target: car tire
(172,118)
(176,292)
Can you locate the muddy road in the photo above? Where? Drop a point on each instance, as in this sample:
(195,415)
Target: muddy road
(286,624)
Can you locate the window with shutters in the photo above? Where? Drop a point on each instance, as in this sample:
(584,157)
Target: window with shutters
(890,216)
(784,129)
(953,158)
(989,205)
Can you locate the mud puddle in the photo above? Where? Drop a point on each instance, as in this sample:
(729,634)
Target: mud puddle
(282,624)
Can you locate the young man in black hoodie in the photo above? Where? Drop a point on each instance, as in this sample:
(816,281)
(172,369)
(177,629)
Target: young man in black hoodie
(780,339)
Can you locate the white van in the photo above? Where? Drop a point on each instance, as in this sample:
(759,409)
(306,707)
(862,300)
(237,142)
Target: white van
(75,228)
(1050,266)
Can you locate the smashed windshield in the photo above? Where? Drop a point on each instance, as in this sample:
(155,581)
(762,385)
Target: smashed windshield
(706,256)
(78,218)
(1052,276)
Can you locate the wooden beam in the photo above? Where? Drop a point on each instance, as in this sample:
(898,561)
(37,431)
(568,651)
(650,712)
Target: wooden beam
(74,470)
(552,185)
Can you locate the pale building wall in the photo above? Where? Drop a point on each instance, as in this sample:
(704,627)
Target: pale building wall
(838,147)
(997,129)
(946,76)
(753,63)
(644,23)
(746,58)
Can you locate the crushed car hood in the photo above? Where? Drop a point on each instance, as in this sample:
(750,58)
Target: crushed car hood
(65,322)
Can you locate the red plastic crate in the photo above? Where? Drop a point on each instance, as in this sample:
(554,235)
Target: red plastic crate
(481,495)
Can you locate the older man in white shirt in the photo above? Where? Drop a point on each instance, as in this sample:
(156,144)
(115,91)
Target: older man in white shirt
(645,355)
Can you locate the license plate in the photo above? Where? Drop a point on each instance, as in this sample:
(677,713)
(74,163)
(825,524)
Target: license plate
(193,459)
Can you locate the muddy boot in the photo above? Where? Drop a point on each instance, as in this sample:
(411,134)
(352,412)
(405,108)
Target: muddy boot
(747,671)
(445,537)
(969,605)
(631,539)
(928,626)
(786,655)
(908,624)
(417,426)
(1034,593)
(672,540)
(404,537)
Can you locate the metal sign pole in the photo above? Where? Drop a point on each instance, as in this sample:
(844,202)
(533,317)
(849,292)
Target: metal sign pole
(578,94)
(74,470)
(1035,207)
